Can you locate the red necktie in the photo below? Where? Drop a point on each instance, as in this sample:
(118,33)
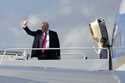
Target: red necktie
(43,40)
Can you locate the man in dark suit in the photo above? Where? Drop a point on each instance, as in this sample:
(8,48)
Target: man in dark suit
(44,38)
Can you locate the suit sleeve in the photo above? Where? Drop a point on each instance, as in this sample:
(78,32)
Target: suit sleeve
(29,32)
(57,46)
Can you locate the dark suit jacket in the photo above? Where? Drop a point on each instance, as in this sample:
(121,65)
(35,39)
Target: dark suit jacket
(53,43)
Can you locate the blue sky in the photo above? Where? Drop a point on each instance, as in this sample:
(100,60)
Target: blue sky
(70,18)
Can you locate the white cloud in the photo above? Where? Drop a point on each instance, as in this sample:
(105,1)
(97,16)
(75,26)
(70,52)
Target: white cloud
(76,37)
(79,36)
(36,18)
(65,7)
(65,11)
(65,2)
(85,11)
(33,21)
(122,7)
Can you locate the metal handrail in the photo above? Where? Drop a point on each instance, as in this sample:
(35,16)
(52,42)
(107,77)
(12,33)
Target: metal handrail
(25,50)
(65,48)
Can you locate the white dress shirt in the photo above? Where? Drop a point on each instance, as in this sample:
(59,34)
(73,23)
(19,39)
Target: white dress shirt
(47,39)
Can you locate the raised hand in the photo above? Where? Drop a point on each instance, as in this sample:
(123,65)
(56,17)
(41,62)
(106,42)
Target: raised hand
(24,24)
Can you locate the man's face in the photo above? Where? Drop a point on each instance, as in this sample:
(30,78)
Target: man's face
(44,26)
